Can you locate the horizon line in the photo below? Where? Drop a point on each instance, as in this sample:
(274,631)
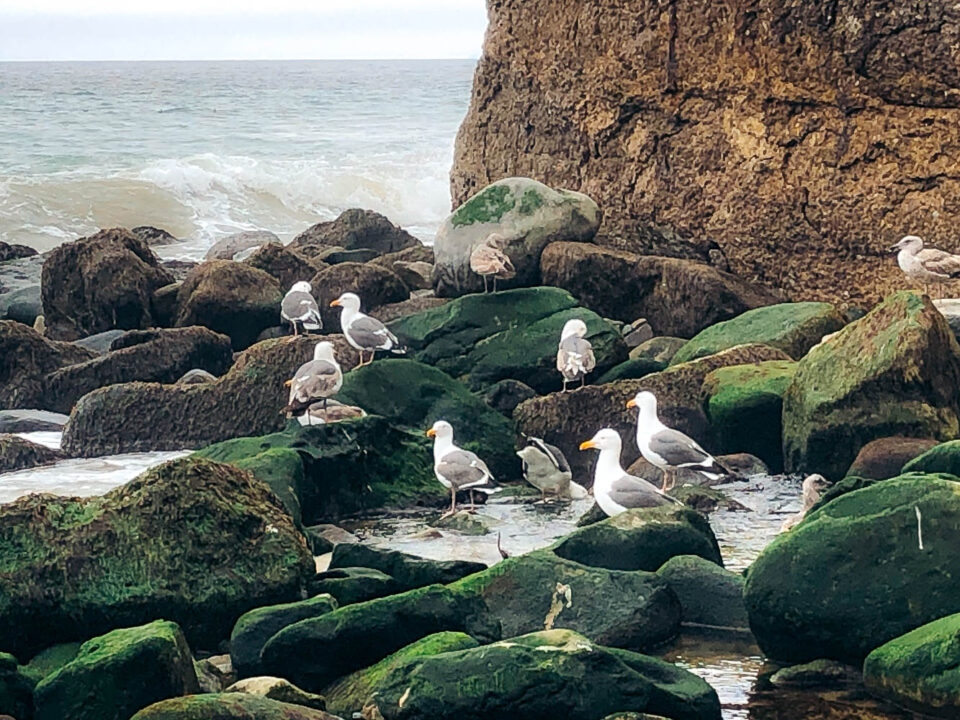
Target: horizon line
(172,60)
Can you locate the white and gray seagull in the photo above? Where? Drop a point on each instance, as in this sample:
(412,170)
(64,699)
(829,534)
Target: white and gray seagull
(489,259)
(927,265)
(299,308)
(614,489)
(316,380)
(456,468)
(363,332)
(546,468)
(667,448)
(575,359)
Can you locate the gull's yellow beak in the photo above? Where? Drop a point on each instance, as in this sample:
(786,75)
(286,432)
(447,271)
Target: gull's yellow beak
(334,303)
(631,403)
(431,433)
(288,383)
(587,444)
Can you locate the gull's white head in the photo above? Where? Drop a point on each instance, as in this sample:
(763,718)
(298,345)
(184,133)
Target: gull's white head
(645,401)
(574,327)
(324,351)
(441,430)
(301,287)
(913,243)
(348,301)
(606,439)
(496,240)
(813,488)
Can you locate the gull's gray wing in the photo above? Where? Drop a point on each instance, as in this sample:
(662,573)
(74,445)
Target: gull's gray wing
(300,306)
(462,468)
(634,492)
(315,379)
(370,333)
(938,261)
(575,357)
(677,449)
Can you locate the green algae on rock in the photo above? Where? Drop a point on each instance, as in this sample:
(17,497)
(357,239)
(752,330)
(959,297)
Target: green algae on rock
(895,371)
(709,595)
(353,584)
(942,458)
(791,327)
(16,689)
(191,541)
(229,706)
(853,574)
(115,675)
(409,571)
(50,660)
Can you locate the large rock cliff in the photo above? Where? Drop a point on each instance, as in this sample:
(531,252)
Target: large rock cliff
(804,138)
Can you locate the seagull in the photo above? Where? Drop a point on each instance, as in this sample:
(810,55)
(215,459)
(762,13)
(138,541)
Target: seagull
(318,379)
(321,413)
(575,357)
(363,332)
(926,265)
(545,467)
(813,488)
(489,259)
(614,489)
(456,468)
(670,449)
(299,308)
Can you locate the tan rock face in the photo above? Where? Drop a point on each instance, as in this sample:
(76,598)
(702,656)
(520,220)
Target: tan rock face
(802,137)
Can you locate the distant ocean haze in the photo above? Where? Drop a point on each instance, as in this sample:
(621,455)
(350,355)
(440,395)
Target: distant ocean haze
(205,149)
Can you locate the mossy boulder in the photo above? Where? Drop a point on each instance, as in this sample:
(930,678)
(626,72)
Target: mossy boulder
(280,690)
(641,540)
(527,213)
(791,327)
(191,541)
(533,675)
(414,396)
(942,458)
(895,371)
(256,627)
(356,636)
(48,661)
(16,689)
(353,584)
(229,706)
(117,674)
(352,693)
(885,458)
(661,348)
(744,405)
(859,571)
(280,468)
(527,593)
(921,669)
(485,338)
(360,464)
(709,595)
(410,571)
(632,369)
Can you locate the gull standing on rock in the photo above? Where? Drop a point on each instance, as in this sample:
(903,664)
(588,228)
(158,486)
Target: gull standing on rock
(456,468)
(614,489)
(575,359)
(667,448)
(489,259)
(314,381)
(545,467)
(363,332)
(300,308)
(926,265)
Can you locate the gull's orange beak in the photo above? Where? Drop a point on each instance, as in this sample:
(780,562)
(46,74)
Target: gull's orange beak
(631,403)
(587,444)
(288,383)
(431,433)
(334,303)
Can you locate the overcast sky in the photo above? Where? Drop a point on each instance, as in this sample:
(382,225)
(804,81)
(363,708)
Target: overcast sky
(240,29)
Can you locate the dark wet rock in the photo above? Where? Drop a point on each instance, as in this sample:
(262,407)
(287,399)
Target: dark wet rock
(410,571)
(504,396)
(523,593)
(23,305)
(375,285)
(819,674)
(632,369)
(415,275)
(244,402)
(337,255)
(14,252)
(215,673)
(894,372)
(256,627)
(23,421)
(161,356)
(115,675)
(26,357)
(661,349)
(16,689)
(19,454)
(196,376)
(888,457)
(101,342)
(842,487)
(677,297)
(641,540)
(165,304)
(98,283)
(229,247)
(356,636)
(230,298)
(154,236)
(531,676)
(162,533)
(709,595)
(229,706)
(415,304)
(851,576)
(486,338)
(278,689)
(324,537)
(791,327)
(354,229)
(178,269)
(284,265)
(353,585)
(411,254)
(744,464)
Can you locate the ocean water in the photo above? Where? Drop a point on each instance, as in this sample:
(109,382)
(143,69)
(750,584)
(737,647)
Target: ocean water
(205,149)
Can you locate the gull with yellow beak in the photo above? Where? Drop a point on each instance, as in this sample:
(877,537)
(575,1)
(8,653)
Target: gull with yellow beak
(456,468)
(363,332)
(614,489)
